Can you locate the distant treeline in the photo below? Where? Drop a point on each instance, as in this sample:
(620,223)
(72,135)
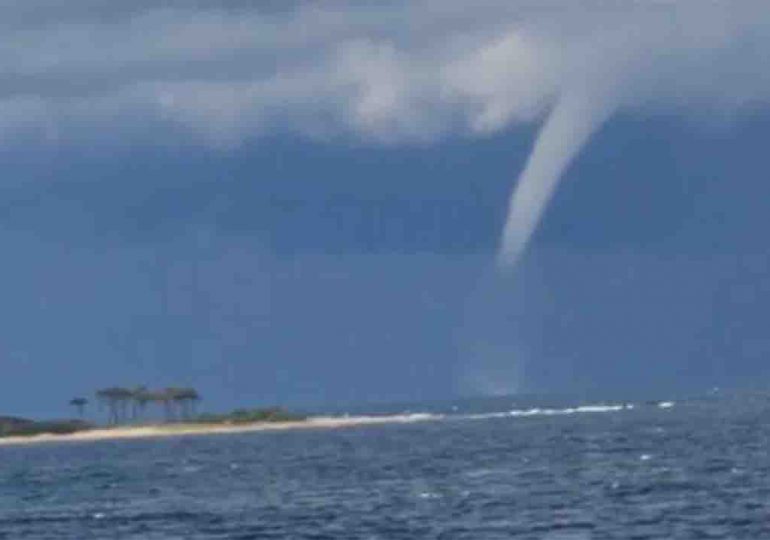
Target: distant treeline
(124,404)
(14,426)
(248,416)
(174,404)
(131,404)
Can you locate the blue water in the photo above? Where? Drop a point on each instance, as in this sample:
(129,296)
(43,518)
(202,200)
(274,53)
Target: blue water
(700,469)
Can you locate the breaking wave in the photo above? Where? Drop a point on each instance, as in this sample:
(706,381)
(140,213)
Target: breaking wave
(517,413)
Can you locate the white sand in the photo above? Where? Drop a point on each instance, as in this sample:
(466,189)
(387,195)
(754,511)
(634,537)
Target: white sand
(174,430)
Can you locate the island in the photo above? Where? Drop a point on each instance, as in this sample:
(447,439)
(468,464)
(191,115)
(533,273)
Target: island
(139,412)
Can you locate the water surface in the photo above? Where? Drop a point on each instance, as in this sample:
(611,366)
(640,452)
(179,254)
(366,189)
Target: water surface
(699,469)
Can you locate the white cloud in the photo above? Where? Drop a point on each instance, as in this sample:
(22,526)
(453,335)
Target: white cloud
(402,72)
(507,80)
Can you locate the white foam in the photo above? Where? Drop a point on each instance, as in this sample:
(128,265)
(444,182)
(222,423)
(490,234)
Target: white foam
(347,420)
(569,410)
(418,417)
(665,404)
(521,413)
(484,416)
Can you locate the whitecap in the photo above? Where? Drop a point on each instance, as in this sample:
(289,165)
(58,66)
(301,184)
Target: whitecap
(537,411)
(568,410)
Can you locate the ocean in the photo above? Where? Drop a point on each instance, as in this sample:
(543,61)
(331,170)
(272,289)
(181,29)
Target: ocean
(696,469)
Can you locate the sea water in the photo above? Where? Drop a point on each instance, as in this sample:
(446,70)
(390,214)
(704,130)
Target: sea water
(684,469)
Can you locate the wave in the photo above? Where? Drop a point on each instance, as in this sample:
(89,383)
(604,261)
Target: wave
(378,419)
(518,413)
(417,417)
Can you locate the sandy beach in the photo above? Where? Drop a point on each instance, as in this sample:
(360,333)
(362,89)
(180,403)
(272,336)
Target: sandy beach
(178,430)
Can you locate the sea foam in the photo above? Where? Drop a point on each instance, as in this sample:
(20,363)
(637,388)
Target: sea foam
(536,411)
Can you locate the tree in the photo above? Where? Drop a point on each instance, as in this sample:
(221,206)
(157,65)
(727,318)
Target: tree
(79,403)
(187,399)
(116,399)
(165,398)
(176,402)
(141,397)
(193,397)
(106,398)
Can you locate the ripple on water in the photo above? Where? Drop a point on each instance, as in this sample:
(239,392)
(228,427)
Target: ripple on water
(641,473)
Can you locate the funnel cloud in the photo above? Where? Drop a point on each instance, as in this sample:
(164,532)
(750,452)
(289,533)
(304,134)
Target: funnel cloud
(564,133)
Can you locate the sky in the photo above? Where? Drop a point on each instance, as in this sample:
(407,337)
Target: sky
(308,203)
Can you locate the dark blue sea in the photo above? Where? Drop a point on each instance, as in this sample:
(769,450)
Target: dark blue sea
(691,469)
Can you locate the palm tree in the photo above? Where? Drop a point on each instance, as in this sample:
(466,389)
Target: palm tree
(177,402)
(176,397)
(193,397)
(187,399)
(106,397)
(79,403)
(141,397)
(116,398)
(165,398)
(123,398)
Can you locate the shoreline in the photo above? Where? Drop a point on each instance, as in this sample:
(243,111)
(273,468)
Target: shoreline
(182,429)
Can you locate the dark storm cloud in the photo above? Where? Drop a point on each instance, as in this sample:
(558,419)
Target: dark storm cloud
(411,71)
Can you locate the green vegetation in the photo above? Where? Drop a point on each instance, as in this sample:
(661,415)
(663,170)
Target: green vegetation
(174,405)
(80,404)
(248,416)
(130,404)
(178,405)
(13,426)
